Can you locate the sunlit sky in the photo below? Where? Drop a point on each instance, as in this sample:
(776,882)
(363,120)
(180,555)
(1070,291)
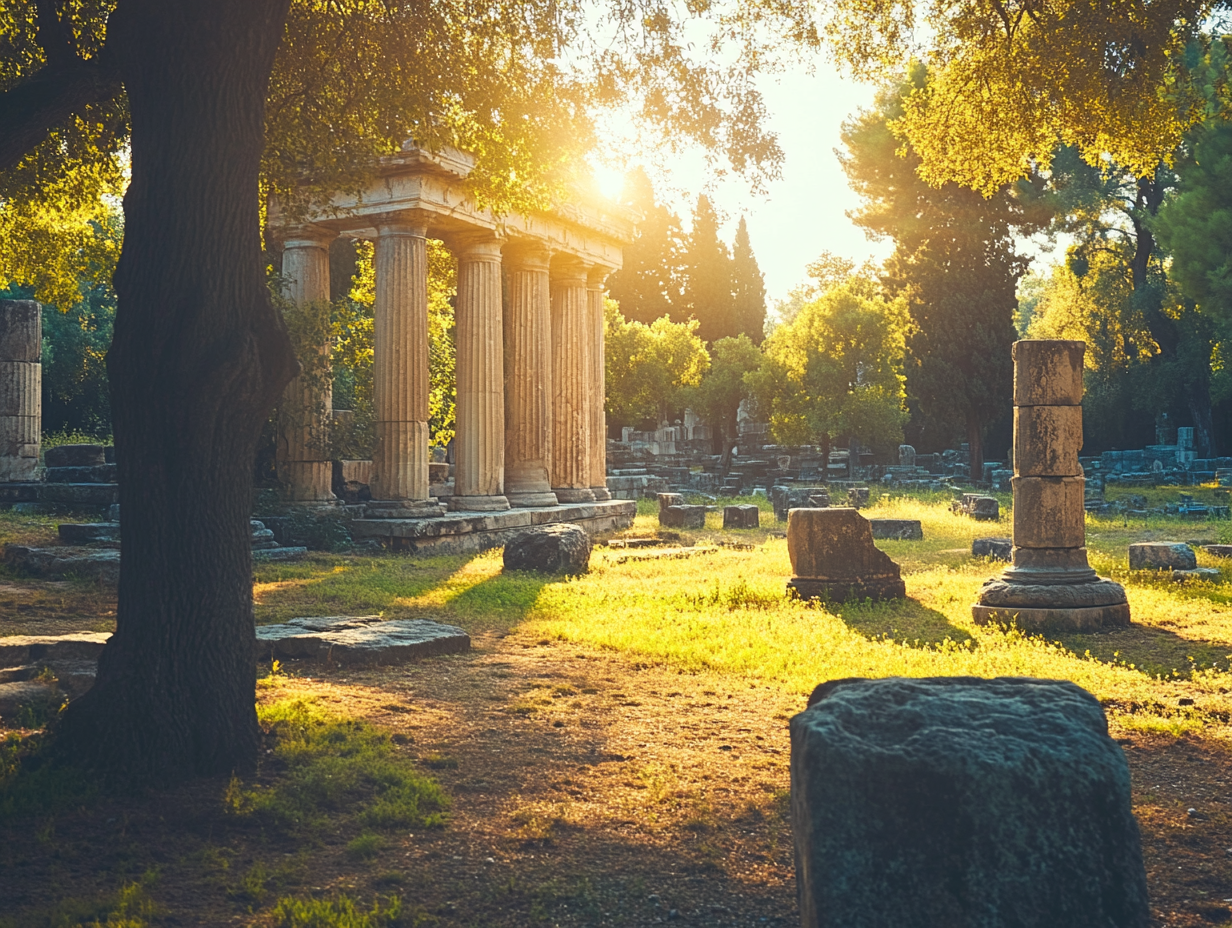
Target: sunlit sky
(801,214)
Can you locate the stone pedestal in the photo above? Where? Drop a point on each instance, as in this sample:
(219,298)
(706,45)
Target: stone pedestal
(528,379)
(21,389)
(571,373)
(833,557)
(597,395)
(400,373)
(479,447)
(303,464)
(1050,586)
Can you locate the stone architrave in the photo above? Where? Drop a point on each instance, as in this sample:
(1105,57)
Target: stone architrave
(21,388)
(597,395)
(400,372)
(1050,586)
(479,445)
(303,465)
(571,373)
(833,557)
(528,378)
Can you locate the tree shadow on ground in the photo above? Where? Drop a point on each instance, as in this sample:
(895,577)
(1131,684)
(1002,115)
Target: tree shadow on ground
(499,602)
(907,621)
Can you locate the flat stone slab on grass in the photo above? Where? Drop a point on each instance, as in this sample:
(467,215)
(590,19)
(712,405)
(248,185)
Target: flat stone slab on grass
(901,529)
(999,549)
(16,650)
(88,533)
(1218,550)
(22,694)
(363,640)
(55,563)
(1161,555)
(1197,573)
(961,802)
(289,553)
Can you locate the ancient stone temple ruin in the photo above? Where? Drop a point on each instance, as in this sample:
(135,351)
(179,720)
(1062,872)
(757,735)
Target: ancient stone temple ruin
(1050,585)
(531,427)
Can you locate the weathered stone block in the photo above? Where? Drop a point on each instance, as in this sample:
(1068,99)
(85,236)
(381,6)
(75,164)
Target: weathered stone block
(366,640)
(683,517)
(962,802)
(746,516)
(906,456)
(833,556)
(1161,555)
(902,529)
(1218,550)
(75,456)
(550,549)
(857,496)
(670,499)
(985,509)
(1048,372)
(88,533)
(1048,512)
(53,563)
(25,649)
(1047,440)
(1196,573)
(999,549)
(798,498)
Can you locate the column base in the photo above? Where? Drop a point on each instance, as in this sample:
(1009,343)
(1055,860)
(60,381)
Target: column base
(532,499)
(478,503)
(574,494)
(601,493)
(877,589)
(402,509)
(1087,619)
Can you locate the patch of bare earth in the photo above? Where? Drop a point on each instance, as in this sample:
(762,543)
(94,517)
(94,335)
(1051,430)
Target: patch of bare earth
(588,790)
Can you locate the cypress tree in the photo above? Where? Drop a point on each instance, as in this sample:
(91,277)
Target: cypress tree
(748,288)
(708,280)
(648,285)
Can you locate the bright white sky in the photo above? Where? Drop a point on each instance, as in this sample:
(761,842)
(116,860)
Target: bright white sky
(803,213)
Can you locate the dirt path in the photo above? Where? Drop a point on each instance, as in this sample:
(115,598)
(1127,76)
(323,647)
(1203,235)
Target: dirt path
(588,790)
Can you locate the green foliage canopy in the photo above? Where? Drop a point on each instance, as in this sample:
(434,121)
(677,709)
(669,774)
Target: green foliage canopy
(649,366)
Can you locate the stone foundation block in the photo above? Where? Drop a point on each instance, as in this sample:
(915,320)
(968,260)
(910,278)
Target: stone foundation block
(1048,512)
(75,456)
(1048,372)
(551,549)
(961,802)
(833,556)
(1161,555)
(746,516)
(670,499)
(901,529)
(366,640)
(1047,440)
(683,517)
(999,549)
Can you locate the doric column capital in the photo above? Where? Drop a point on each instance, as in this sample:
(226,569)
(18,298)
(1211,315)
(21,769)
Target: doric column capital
(397,226)
(479,246)
(307,235)
(596,277)
(531,255)
(567,268)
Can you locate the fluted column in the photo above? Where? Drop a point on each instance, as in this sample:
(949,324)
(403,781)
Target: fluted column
(571,373)
(479,445)
(400,373)
(597,396)
(303,417)
(528,379)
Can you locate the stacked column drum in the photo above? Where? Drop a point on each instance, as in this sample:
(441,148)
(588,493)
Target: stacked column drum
(1050,586)
(21,389)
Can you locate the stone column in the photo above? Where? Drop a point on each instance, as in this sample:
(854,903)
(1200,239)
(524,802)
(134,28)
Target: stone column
(302,459)
(528,379)
(400,374)
(597,395)
(21,388)
(479,446)
(571,373)
(1051,586)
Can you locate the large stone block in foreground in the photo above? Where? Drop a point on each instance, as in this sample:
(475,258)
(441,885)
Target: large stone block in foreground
(363,641)
(550,549)
(961,802)
(833,557)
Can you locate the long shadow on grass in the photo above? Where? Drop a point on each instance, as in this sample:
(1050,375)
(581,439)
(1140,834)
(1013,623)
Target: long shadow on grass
(907,621)
(1154,651)
(501,601)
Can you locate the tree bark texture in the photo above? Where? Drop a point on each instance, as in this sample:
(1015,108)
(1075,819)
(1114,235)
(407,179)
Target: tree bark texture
(198,360)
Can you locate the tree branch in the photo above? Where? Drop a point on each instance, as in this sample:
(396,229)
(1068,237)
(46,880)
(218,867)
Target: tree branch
(33,108)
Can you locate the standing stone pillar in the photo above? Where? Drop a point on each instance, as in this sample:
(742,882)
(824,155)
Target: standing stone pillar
(1051,586)
(528,379)
(304,413)
(571,374)
(479,445)
(21,388)
(596,395)
(400,373)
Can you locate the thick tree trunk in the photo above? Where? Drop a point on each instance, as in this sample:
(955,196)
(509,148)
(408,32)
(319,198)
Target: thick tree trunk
(975,442)
(199,359)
